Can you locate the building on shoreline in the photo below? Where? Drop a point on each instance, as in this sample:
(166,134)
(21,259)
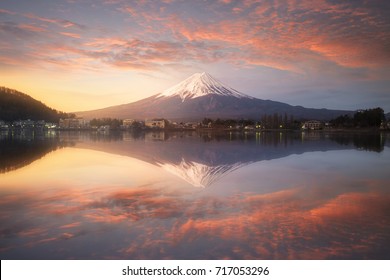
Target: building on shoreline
(127,123)
(312,125)
(156,123)
(73,123)
(26,125)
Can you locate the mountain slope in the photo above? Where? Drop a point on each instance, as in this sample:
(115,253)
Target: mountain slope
(202,96)
(15,105)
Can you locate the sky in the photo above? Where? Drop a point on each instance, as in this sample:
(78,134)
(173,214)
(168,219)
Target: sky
(88,54)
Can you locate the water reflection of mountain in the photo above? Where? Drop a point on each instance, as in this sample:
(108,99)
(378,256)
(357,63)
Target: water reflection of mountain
(201,164)
(200,159)
(18,149)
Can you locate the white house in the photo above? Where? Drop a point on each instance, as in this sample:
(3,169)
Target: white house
(156,123)
(313,125)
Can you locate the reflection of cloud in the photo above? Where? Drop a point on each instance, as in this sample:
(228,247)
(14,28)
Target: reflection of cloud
(161,222)
(280,226)
(351,205)
(133,205)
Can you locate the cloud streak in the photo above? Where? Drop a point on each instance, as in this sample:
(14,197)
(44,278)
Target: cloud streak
(60,22)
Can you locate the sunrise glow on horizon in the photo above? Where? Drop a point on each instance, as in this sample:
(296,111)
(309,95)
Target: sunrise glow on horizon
(82,55)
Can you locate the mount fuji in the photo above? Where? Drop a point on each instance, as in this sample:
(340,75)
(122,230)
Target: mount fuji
(201,96)
(199,85)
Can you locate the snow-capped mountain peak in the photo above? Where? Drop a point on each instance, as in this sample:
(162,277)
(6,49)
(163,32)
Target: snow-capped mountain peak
(200,84)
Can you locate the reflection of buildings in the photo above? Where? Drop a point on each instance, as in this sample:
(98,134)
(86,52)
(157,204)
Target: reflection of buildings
(156,136)
(3,125)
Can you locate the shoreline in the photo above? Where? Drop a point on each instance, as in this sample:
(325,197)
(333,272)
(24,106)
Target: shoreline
(202,130)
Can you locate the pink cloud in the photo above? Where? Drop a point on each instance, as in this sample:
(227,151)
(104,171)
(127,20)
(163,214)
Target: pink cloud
(284,41)
(72,225)
(2,11)
(72,35)
(31,27)
(129,10)
(295,36)
(32,232)
(60,22)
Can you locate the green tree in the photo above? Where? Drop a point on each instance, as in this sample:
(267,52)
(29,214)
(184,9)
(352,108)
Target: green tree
(369,118)
(206,121)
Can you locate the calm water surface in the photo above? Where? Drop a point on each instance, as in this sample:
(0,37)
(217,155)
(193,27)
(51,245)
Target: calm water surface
(70,195)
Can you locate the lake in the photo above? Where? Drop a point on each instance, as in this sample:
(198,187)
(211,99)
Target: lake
(188,195)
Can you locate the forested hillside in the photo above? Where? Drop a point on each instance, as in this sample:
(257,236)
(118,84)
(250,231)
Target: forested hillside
(15,105)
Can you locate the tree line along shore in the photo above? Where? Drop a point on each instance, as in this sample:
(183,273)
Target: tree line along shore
(363,120)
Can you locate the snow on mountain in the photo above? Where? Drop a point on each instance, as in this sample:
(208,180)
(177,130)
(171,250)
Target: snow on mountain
(200,84)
